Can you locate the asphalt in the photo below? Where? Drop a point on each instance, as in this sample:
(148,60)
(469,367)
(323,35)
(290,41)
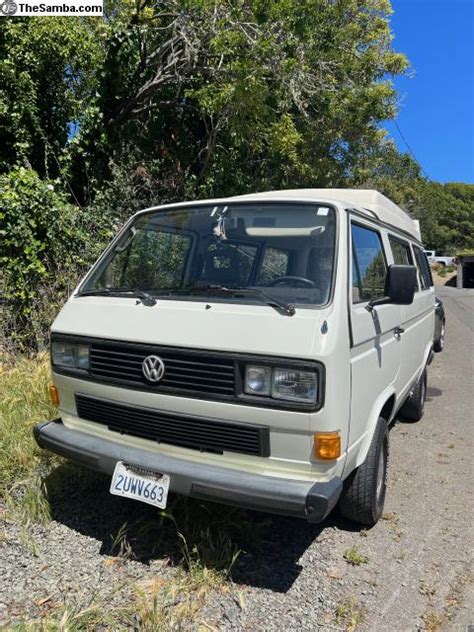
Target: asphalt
(421,555)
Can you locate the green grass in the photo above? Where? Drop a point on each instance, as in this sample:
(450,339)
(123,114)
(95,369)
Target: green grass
(354,557)
(350,614)
(24,401)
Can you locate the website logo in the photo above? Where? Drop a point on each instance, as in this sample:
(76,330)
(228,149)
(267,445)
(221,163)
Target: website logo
(9,7)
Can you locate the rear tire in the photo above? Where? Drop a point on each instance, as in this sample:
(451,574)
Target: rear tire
(439,344)
(414,406)
(363,496)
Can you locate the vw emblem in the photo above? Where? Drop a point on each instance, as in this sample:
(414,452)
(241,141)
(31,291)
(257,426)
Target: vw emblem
(153,368)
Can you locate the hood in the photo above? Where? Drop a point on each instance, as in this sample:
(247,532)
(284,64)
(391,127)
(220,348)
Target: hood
(235,327)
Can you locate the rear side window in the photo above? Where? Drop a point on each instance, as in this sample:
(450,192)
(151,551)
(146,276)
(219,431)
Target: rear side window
(274,265)
(424,270)
(229,263)
(369,268)
(401,252)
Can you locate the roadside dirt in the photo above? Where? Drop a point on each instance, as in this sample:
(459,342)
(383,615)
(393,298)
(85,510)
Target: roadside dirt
(440,280)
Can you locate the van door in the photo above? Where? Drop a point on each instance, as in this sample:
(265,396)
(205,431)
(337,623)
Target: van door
(416,325)
(376,349)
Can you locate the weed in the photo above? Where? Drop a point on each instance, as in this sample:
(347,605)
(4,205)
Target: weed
(28,502)
(71,619)
(355,557)
(24,401)
(120,544)
(433,621)
(350,614)
(397,532)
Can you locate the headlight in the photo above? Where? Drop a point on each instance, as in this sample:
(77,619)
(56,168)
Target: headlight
(298,386)
(257,380)
(281,383)
(70,355)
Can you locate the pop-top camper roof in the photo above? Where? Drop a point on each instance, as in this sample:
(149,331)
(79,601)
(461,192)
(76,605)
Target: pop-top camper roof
(363,199)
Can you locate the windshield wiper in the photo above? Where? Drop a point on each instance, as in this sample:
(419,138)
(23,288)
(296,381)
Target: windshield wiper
(144,297)
(287,308)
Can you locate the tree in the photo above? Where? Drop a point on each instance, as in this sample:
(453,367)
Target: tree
(48,68)
(225,97)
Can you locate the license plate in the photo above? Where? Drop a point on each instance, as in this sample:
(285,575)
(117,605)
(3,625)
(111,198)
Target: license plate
(145,485)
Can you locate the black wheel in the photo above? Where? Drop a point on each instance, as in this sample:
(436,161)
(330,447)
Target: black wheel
(414,406)
(438,345)
(364,491)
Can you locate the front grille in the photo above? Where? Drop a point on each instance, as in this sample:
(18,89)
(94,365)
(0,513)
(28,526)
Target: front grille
(198,433)
(189,371)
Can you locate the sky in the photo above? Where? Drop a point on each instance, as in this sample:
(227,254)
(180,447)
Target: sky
(436,110)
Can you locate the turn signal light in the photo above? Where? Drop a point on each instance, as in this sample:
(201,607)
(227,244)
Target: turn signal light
(54,395)
(327,445)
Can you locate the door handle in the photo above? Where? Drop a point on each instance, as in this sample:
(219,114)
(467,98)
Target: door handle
(398,331)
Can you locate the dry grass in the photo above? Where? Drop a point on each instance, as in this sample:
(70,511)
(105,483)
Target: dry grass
(24,401)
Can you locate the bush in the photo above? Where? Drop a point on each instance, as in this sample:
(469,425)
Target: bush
(46,246)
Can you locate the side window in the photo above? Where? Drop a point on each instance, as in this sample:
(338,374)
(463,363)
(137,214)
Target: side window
(152,260)
(274,265)
(423,266)
(368,264)
(230,263)
(401,252)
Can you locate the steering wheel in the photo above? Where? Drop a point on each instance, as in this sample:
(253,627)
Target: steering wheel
(292,281)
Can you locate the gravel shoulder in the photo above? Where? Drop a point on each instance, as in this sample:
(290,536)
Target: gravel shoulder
(412,571)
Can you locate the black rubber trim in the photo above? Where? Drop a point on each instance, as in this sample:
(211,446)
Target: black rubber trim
(190,431)
(304,499)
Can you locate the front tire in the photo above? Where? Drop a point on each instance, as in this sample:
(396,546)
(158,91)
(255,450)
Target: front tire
(414,406)
(363,496)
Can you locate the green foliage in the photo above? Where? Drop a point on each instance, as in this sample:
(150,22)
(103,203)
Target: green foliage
(47,70)
(45,243)
(220,97)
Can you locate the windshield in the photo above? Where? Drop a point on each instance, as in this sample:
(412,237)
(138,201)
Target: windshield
(285,250)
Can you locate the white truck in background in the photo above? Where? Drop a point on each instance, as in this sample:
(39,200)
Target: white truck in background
(438,260)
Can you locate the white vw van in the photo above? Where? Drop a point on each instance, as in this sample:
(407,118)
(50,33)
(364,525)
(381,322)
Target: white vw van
(250,350)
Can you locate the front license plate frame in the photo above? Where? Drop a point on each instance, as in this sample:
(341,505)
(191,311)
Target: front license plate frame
(147,486)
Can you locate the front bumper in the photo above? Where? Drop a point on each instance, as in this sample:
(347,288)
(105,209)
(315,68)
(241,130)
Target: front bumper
(304,499)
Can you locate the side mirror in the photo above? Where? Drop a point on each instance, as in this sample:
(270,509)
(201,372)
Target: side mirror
(400,286)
